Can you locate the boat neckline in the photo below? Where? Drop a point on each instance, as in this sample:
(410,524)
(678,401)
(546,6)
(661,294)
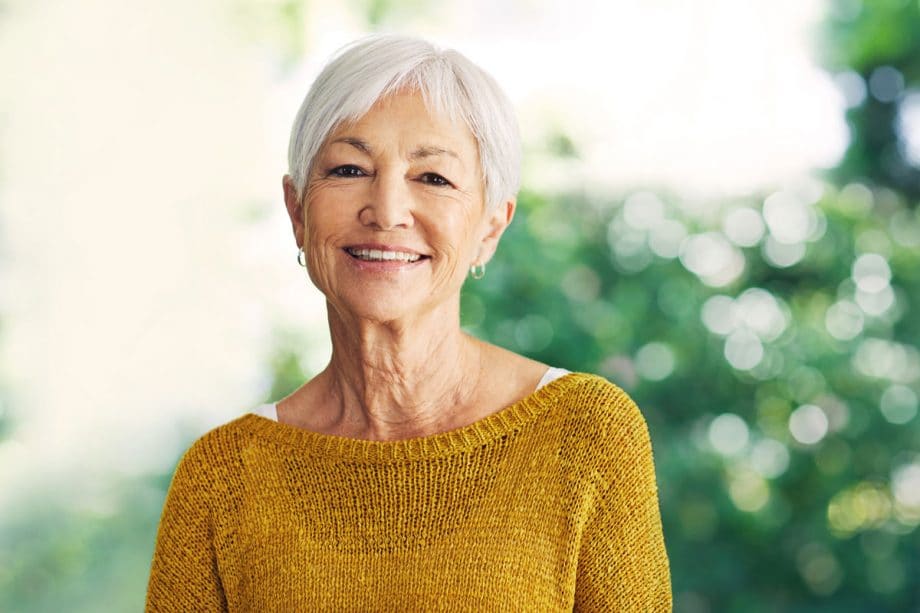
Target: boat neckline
(476,434)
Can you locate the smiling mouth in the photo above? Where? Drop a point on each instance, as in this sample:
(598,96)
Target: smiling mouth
(377,255)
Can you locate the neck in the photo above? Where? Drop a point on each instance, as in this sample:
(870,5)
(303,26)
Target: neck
(399,379)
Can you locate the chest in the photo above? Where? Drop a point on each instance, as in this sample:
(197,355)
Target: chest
(490,530)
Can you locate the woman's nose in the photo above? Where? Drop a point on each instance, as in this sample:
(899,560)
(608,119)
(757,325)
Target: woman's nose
(389,202)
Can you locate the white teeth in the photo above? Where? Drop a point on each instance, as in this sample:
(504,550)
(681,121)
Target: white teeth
(377,255)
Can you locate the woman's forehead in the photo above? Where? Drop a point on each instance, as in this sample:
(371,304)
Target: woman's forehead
(419,152)
(403,118)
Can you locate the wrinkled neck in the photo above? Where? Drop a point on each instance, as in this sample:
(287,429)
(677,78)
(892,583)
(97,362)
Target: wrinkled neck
(396,379)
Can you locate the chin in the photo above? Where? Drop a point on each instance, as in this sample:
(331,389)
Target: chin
(382,314)
(374,307)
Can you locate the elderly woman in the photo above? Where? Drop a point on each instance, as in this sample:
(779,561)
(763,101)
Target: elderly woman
(423,469)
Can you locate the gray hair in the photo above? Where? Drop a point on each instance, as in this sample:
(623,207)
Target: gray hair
(373,67)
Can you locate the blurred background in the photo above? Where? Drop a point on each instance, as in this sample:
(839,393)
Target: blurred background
(719,214)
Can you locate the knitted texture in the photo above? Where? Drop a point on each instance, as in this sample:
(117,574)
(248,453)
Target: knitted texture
(549,504)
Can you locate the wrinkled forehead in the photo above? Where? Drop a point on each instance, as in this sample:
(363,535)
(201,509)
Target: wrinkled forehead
(407,120)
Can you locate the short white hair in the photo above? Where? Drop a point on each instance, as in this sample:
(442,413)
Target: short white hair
(370,68)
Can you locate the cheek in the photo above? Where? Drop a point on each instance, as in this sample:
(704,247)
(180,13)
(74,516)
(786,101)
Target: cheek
(325,226)
(321,241)
(453,236)
(327,212)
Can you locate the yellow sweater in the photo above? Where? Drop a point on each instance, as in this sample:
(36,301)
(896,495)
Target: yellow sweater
(550,504)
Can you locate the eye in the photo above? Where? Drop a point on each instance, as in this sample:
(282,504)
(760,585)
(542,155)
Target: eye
(432,178)
(347,170)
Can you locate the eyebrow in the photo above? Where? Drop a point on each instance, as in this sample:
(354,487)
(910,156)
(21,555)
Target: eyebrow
(357,143)
(422,152)
(430,151)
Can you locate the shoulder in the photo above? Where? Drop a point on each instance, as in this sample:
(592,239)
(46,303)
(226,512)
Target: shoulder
(504,365)
(208,459)
(604,426)
(601,402)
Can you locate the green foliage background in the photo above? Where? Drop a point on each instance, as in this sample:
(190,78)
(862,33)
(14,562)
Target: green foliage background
(582,283)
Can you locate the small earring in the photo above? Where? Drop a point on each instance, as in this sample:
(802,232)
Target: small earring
(478,271)
(300,257)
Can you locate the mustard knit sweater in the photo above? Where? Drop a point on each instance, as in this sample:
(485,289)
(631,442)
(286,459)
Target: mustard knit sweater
(550,504)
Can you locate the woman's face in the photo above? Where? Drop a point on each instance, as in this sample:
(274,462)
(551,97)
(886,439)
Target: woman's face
(393,214)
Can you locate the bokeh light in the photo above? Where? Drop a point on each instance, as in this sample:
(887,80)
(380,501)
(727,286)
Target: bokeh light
(743,226)
(898,404)
(808,424)
(890,360)
(770,458)
(728,434)
(666,238)
(743,349)
(844,320)
(712,258)
(748,490)
(862,507)
(655,361)
(886,83)
(782,255)
(909,127)
(906,485)
(871,272)
(819,568)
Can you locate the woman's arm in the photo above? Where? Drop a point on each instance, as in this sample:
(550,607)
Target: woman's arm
(623,564)
(184,574)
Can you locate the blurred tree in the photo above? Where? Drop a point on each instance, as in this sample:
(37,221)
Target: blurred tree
(874,47)
(763,379)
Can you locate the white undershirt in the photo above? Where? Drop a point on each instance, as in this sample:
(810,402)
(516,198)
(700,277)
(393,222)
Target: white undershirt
(271,410)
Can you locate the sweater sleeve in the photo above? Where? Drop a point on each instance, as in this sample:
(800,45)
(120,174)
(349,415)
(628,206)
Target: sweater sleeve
(184,574)
(623,564)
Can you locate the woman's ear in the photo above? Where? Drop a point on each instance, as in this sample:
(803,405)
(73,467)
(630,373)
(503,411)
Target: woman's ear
(495,225)
(294,205)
